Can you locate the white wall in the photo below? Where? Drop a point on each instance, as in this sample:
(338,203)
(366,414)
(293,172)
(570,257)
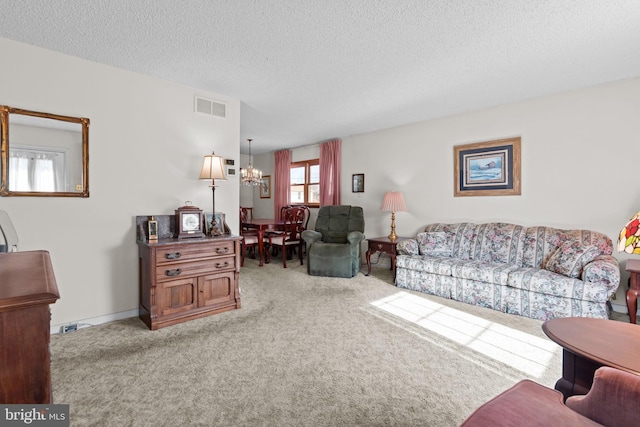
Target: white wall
(146,147)
(579,167)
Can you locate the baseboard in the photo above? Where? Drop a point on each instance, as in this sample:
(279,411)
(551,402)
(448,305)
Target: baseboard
(85,323)
(620,308)
(55,329)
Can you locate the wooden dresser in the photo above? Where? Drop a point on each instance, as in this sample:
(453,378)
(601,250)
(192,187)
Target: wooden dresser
(27,287)
(185,279)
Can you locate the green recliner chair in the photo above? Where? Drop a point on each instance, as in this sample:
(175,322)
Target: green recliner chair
(333,249)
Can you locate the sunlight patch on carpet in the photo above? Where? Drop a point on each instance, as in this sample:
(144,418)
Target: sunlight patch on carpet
(522,351)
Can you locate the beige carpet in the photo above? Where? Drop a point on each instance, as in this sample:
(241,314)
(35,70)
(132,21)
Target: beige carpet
(302,351)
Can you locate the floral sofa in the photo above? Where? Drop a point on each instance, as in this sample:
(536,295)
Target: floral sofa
(537,272)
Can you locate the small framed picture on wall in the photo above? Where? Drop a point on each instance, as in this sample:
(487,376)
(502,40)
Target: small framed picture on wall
(357,184)
(265,187)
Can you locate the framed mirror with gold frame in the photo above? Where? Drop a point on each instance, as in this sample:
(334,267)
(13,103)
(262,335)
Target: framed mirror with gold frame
(43,154)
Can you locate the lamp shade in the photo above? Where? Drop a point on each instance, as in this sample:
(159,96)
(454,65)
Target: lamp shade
(629,240)
(212,168)
(393,201)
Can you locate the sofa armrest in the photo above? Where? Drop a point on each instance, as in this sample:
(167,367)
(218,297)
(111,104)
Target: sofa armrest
(355,237)
(604,270)
(407,247)
(310,237)
(612,400)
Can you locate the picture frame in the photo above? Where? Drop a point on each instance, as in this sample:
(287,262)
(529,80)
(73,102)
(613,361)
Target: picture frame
(152,227)
(357,183)
(265,187)
(215,225)
(489,168)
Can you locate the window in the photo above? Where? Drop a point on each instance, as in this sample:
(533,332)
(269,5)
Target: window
(34,169)
(305,183)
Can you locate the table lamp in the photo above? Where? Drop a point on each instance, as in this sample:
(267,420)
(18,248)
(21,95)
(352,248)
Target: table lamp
(213,168)
(629,240)
(393,202)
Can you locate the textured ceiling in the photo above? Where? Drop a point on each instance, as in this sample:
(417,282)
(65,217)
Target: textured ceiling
(310,70)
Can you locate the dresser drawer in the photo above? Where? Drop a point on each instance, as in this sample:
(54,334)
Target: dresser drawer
(192,252)
(178,270)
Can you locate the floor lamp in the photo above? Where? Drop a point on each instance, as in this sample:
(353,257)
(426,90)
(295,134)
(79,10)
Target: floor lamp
(213,168)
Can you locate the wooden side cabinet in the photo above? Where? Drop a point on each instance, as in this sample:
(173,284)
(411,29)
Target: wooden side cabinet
(27,287)
(186,279)
(383,244)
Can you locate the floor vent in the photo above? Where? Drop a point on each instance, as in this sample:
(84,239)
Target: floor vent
(210,107)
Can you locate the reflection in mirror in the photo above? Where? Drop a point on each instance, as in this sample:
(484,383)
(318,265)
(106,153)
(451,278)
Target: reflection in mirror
(43,154)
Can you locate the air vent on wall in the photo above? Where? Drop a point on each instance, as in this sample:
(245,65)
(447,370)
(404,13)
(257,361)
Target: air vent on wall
(210,107)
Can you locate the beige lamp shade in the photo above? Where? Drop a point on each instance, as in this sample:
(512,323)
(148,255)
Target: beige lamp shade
(212,168)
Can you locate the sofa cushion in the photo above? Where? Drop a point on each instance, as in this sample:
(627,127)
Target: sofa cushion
(460,235)
(540,243)
(571,257)
(407,247)
(434,243)
(428,264)
(499,243)
(546,282)
(483,272)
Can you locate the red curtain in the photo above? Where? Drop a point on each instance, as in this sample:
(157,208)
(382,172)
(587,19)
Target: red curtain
(330,165)
(281,181)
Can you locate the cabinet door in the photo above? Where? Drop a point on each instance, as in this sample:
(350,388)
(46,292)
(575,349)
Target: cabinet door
(176,296)
(216,289)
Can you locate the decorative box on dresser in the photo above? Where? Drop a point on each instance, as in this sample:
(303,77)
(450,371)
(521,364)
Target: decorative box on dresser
(185,279)
(27,287)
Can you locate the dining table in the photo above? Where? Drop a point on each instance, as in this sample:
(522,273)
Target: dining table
(261,225)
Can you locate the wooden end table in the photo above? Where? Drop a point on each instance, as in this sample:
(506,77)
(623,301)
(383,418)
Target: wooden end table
(633,267)
(383,244)
(589,344)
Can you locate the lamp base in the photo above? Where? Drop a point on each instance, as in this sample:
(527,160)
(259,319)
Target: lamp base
(393,236)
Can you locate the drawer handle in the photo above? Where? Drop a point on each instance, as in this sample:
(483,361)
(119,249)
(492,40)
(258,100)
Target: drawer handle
(222,264)
(173,255)
(222,250)
(174,272)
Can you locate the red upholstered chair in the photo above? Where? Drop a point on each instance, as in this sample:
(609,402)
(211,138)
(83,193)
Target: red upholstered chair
(614,398)
(613,401)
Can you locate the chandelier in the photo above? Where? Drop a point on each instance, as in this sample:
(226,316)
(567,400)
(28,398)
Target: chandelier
(250,175)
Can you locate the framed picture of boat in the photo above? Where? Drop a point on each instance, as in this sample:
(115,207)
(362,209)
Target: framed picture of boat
(490,168)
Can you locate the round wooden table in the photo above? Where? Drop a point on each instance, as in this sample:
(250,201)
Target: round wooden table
(589,344)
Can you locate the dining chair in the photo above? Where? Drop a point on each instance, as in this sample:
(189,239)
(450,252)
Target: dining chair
(290,237)
(283,212)
(249,235)
(247,211)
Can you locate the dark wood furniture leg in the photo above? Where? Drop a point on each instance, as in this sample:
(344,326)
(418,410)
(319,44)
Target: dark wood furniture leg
(633,267)
(577,374)
(383,244)
(261,246)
